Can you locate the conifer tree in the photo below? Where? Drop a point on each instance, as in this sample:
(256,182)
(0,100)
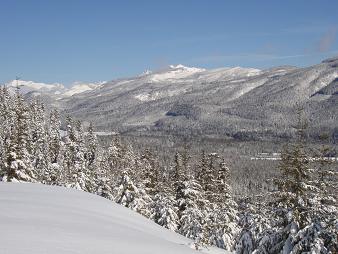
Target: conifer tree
(18,166)
(128,195)
(92,145)
(39,141)
(164,211)
(178,178)
(192,210)
(222,219)
(202,167)
(57,175)
(77,173)
(149,172)
(6,126)
(54,138)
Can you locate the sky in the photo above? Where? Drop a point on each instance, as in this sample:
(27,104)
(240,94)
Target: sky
(66,41)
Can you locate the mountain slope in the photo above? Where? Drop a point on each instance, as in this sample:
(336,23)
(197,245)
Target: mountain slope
(235,102)
(37,219)
(240,103)
(55,91)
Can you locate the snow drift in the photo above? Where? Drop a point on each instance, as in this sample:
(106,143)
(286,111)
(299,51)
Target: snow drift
(36,218)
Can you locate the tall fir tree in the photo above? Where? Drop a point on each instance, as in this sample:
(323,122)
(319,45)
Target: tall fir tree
(18,166)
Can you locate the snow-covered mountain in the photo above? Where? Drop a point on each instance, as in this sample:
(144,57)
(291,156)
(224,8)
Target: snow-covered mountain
(41,219)
(38,88)
(55,90)
(242,103)
(79,87)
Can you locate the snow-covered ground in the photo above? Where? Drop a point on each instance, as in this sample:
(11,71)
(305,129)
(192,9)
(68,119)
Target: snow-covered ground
(36,218)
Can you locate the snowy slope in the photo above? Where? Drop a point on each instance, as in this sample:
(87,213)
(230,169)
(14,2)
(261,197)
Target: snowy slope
(54,90)
(28,86)
(35,218)
(81,87)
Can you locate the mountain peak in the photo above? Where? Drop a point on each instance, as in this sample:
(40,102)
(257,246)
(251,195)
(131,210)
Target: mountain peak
(183,67)
(178,66)
(175,72)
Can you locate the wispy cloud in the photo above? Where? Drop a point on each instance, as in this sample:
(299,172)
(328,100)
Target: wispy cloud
(327,40)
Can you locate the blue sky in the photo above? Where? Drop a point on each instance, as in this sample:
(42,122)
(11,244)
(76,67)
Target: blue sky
(78,40)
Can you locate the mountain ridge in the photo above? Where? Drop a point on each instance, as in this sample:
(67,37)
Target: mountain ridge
(239,103)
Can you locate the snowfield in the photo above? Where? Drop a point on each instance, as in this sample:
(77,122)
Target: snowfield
(36,218)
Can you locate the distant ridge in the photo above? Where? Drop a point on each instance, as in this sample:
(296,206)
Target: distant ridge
(239,103)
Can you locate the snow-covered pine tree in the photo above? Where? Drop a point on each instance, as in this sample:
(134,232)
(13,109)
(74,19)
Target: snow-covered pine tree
(202,167)
(83,173)
(92,145)
(185,158)
(92,155)
(69,149)
(55,149)
(177,179)
(6,126)
(222,218)
(149,174)
(163,207)
(208,175)
(54,137)
(246,242)
(104,175)
(164,211)
(189,199)
(104,187)
(119,157)
(18,166)
(192,213)
(78,176)
(111,163)
(39,141)
(128,195)
(253,222)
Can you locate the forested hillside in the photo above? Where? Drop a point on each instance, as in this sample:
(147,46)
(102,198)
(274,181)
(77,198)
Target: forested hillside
(297,212)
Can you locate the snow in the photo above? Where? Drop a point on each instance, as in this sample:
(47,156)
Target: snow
(105,133)
(82,87)
(38,219)
(56,89)
(146,97)
(27,86)
(229,73)
(159,95)
(175,72)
